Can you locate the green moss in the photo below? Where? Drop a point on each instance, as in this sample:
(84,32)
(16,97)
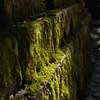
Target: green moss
(42,54)
(64,27)
(1,96)
(41,49)
(32,89)
(9,62)
(56,29)
(80,57)
(22,13)
(86,20)
(74,16)
(30,46)
(63,20)
(66,69)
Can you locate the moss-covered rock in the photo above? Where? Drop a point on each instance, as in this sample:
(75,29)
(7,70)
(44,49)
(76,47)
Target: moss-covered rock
(13,11)
(9,64)
(28,48)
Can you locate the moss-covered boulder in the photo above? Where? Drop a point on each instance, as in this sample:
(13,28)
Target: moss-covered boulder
(28,48)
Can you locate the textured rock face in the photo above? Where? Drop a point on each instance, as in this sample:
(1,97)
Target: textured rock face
(32,44)
(10,90)
(9,63)
(13,11)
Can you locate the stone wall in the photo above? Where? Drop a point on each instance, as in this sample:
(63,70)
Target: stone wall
(50,55)
(13,11)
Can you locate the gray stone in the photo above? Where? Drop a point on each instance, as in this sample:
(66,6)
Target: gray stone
(31,16)
(96,76)
(95,89)
(90,98)
(92,84)
(11,96)
(59,13)
(31,97)
(63,58)
(60,65)
(39,18)
(41,88)
(92,60)
(53,69)
(14,25)
(97,65)
(24,22)
(20,94)
(66,9)
(44,14)
(96,94)
(96,80)
(96,71)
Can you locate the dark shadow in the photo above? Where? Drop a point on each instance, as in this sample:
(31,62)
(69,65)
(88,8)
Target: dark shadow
(49,4)
(93,8)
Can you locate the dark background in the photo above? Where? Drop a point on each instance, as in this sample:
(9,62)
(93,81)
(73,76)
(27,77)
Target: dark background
(94,8)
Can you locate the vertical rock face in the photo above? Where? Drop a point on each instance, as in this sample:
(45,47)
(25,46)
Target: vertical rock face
(27,49)
(10,90)
(9,62)
(13,11)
